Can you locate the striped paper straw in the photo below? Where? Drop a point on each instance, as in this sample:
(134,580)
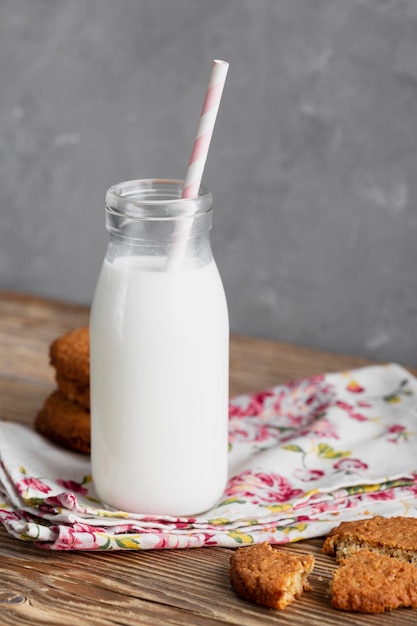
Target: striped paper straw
(199,154)
(205,129)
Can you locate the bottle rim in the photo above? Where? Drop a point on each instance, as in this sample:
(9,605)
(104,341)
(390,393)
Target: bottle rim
(156,198)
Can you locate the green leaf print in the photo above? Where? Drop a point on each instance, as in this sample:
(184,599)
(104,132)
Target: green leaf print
(127,543)
(327,452)
(293,448)
(395,396)
(240,537)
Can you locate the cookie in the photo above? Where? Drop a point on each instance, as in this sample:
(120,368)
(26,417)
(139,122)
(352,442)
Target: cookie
(394,536)
(70,356)
(269,576)
(64,422)
(74,390)
(368,582)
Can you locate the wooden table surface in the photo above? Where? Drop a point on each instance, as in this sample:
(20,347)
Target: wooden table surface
(150,587)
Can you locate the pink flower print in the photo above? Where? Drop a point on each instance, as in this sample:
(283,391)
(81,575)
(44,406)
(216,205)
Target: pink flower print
(166,540)
(250,431)
(320,507)
(263,433)
(238,434)
(398,432)
(88,535)
(261,487)
(354,387)
(66,500)
(258,400)
(282,408)
(79,536)
(253,407)
(71,485)
(396,428)
(322,428)
(350,410)
(7,515)
(388,494)
(298,404)
(235,410)
(307,475)
(32,483)
(350,465)
(53,501)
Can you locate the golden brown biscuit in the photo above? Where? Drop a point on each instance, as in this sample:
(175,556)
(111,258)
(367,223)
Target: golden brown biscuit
(368,582)
(70,355)
(394,536)
(269,576)
(73,390)
(64,422)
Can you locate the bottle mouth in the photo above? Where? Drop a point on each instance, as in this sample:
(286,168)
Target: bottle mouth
(155,199)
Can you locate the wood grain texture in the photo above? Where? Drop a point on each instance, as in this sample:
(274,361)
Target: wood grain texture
(39,587)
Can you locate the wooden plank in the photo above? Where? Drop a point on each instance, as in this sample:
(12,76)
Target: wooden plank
(27,327)
(259,363)
(21,400)
(172,586)
(156,587)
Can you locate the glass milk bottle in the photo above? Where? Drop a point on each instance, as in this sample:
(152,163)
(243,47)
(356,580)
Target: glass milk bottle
(159,335)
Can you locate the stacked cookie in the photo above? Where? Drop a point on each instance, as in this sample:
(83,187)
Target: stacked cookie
(65,415)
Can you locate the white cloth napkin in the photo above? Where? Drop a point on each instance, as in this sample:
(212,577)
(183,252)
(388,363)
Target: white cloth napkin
(303,457)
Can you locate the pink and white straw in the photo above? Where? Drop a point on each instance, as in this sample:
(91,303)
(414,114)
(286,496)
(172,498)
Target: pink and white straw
(205,129)
(198,157)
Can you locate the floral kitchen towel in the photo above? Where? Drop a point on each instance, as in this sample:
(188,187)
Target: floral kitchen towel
(303,457)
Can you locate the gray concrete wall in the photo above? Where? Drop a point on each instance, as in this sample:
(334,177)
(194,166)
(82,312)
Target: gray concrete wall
(313,163)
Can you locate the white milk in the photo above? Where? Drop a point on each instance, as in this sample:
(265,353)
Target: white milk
(159,387)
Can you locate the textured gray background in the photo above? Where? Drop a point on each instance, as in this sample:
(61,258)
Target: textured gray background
(313,164)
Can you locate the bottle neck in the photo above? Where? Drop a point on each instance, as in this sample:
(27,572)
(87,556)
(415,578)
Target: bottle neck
(149,218)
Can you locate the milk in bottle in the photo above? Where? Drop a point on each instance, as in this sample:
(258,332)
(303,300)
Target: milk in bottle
(159,356)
